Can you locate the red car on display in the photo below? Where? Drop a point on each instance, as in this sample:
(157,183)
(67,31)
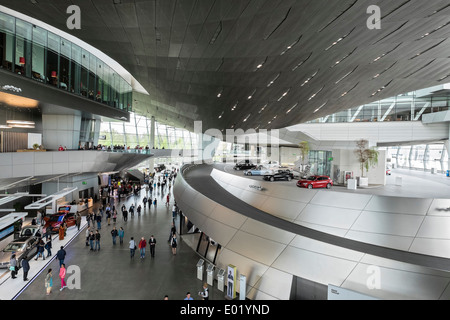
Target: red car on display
(314,182)
(53,221)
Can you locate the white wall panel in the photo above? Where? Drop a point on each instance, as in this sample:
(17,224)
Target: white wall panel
(253,270)
(439,207)
(322,228)
(285,209)
(256,248)
(383,240)
(23,158)
(329,216)
(435,227)
(388,223)
(399,205)
(308,244)
(227,216)
(312,266)
(341,199)
(266,231)
(435,247)
(222,233)
(274,284)
(395,284)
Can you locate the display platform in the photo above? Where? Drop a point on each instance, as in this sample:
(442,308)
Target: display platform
(11,288)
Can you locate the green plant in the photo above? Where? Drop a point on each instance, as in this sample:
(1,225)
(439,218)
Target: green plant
(304,151)
(36,146)
(367,157)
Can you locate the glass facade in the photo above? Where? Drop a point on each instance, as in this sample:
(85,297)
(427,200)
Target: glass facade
(424,157)
(406,107)
(137,133)
(45,57)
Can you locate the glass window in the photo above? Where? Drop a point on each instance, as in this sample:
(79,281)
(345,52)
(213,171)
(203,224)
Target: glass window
(53,59)
(117,133)
(84,87)
(75,69)
(38,54)
(64,64)
(100,70)
(7,30)
(22,63)
(106,85)
(92,79)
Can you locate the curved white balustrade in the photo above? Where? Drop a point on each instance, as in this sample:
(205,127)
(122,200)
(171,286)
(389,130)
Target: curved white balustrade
(270,257)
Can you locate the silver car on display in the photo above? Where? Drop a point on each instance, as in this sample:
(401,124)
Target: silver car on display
(21,247)
(258,171)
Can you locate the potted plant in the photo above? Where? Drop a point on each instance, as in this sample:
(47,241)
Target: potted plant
(304,152)
(36,146)
(367,158)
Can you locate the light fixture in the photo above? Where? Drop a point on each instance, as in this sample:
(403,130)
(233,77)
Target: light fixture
(20,122)
(2,126)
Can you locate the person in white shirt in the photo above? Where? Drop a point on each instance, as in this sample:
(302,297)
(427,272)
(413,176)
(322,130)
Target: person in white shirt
(132,247)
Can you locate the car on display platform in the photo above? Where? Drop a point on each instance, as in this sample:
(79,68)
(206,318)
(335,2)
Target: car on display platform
(388,172)
(54,221)
(314,182)
(258,171)
(30,231)
(22,247)
(286,175)
(160,167)
(244,165)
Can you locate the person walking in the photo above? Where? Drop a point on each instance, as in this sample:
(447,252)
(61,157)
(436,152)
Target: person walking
(174,244)
(78,221)
(49,282)
(114,234)
(61,232)
(99,221)
(155,202)
(142,245)
(13,266)
(62,275)
(48,247)
(125,215)
(121,234)
(114,216)
(132,246)
(152,244)
(61,255)
(97,241)
(40,250)
(91,240)
(88,232)
(25,267)
(167,200)
(205,293)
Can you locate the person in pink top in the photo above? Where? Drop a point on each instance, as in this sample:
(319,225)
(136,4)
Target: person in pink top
(62,275)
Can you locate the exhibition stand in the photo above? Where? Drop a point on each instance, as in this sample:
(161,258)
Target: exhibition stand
(11,288)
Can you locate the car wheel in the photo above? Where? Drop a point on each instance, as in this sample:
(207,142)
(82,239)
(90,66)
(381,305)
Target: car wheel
(249,174)
(272,179)
(329,186)
(310,186)
(289,178)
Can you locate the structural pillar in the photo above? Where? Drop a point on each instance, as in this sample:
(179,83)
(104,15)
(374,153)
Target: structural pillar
(152,133)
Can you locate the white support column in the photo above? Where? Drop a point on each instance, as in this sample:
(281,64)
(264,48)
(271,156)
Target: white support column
(152,133)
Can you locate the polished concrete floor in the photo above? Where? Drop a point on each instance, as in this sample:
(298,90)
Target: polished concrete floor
(110,273)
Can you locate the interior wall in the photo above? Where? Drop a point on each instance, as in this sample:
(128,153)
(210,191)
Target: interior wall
(61,130)
(345,160)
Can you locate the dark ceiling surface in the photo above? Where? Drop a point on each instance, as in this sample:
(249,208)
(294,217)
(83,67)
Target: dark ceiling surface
(315,57)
